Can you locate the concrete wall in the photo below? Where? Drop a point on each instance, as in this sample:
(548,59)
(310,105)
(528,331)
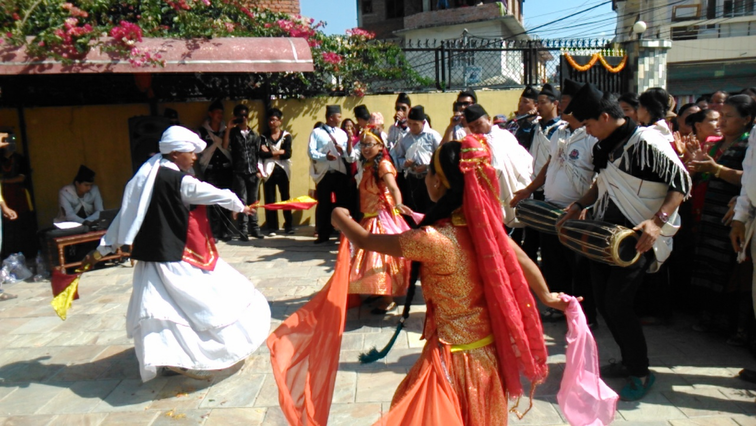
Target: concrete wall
(62,138)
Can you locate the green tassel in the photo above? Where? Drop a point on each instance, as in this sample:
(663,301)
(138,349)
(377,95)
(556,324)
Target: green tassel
(373,355)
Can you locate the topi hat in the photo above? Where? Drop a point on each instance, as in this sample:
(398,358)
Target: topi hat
(403,99)
(361,111)
(530,93)
(570,87)
(550,91)
(498,119)
(474,112)
(85,174)
(586,103)
(417,113)
(332,109)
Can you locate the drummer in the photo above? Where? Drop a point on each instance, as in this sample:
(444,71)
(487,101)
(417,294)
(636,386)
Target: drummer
(628,159)
(567,175)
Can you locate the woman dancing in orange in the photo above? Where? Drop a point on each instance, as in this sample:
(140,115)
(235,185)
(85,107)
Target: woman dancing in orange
(482,326)
(380,203)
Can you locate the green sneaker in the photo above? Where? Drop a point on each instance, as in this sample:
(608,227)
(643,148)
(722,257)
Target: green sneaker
(637,389)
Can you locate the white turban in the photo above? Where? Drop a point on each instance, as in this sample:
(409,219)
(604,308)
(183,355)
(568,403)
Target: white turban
(180,139)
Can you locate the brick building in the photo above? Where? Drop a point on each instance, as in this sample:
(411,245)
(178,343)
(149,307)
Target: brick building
(287,6)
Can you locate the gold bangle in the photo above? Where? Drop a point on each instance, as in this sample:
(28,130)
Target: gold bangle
(719,170)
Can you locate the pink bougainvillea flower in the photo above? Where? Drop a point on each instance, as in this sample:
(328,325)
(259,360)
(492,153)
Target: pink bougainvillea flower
(332,58)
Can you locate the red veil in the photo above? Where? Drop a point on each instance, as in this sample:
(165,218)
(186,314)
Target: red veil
(514,317)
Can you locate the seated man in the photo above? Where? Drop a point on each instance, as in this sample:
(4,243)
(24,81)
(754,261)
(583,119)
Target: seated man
(80,201)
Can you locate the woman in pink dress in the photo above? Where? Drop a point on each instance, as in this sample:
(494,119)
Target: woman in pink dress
(374,273)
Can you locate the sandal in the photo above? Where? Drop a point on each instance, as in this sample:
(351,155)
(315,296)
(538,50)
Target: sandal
(194,374)
(7,296)
(383,311)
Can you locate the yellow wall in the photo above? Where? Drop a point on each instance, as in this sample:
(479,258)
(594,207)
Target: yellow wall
(62,138)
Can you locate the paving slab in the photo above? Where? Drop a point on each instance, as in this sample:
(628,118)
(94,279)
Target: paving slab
(84,371)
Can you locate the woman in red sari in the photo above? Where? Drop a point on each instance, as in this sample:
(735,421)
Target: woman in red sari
(482,326)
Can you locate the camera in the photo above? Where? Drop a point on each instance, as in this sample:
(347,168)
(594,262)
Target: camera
(238,120)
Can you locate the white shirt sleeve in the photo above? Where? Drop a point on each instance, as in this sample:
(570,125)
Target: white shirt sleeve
(67,207)
(744,203)
(194,191)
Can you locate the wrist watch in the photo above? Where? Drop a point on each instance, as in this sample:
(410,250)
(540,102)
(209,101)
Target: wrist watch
(663,217)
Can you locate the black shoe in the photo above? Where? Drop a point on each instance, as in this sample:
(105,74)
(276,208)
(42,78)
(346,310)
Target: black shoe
(290,231)
(257,234)
(748,375)
(243,237)
(320,240)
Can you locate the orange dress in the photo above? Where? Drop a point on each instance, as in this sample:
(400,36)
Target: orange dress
(371,272)
(457,315)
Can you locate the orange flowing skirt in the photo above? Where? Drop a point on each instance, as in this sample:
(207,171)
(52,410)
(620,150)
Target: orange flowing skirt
(376,273)
(442,383)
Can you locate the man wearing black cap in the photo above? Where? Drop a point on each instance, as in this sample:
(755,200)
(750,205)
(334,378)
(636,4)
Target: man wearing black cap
(413,154)
(640,184)
(80,201)
(214,166)
(566,176)
(457,128)
(399,129)
(329,153)
(513,164)
(524,122)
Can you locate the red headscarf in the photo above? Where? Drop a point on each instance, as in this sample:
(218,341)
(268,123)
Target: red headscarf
(514,318)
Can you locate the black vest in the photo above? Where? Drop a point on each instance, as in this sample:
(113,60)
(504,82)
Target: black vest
(162,237)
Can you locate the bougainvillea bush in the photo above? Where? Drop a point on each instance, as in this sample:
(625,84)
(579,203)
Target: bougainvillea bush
(68,30)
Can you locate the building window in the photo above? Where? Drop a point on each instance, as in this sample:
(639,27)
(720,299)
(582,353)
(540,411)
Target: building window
(367,7)
(394,9)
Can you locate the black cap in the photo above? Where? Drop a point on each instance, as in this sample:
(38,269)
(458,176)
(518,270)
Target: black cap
(530,93)
(550,91)
(332,109)
(586,103)
(417,113)
(468,93)
(474,112)
(570,87)
(361,111)
(85,174)
(216,105)
(403,99)
(170,113)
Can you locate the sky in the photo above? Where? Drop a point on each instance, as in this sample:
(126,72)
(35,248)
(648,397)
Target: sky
(341,15)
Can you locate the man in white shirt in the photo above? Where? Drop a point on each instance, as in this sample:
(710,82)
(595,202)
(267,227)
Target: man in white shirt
(512,162)
(412,155)
(329,152)
(80,201)
(399,129)
(567,175)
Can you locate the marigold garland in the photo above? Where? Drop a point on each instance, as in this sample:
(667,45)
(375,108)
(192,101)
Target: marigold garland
(596,57)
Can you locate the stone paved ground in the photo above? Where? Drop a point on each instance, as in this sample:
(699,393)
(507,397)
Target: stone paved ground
(84,372)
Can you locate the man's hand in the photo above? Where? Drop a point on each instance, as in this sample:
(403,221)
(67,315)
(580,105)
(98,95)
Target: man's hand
(90,260)
(421,169)
(727,219)
(409,164)
(651,232)
(4,139)
(264,148)
(519,196)
(231,124)
(737,235)
(8,213)
(331,157)
(572,212)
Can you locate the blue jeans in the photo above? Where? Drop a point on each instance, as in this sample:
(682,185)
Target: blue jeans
(443,4)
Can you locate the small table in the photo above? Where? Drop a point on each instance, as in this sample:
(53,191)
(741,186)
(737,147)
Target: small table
(70,240)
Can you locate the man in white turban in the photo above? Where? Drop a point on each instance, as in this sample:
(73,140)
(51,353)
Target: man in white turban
(190,312)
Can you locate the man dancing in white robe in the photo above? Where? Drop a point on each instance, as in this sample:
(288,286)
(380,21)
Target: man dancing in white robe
(190,312)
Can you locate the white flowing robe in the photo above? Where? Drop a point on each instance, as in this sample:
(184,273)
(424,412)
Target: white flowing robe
(183,316)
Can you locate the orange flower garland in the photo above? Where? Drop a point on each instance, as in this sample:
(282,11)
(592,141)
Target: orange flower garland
(596,57)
